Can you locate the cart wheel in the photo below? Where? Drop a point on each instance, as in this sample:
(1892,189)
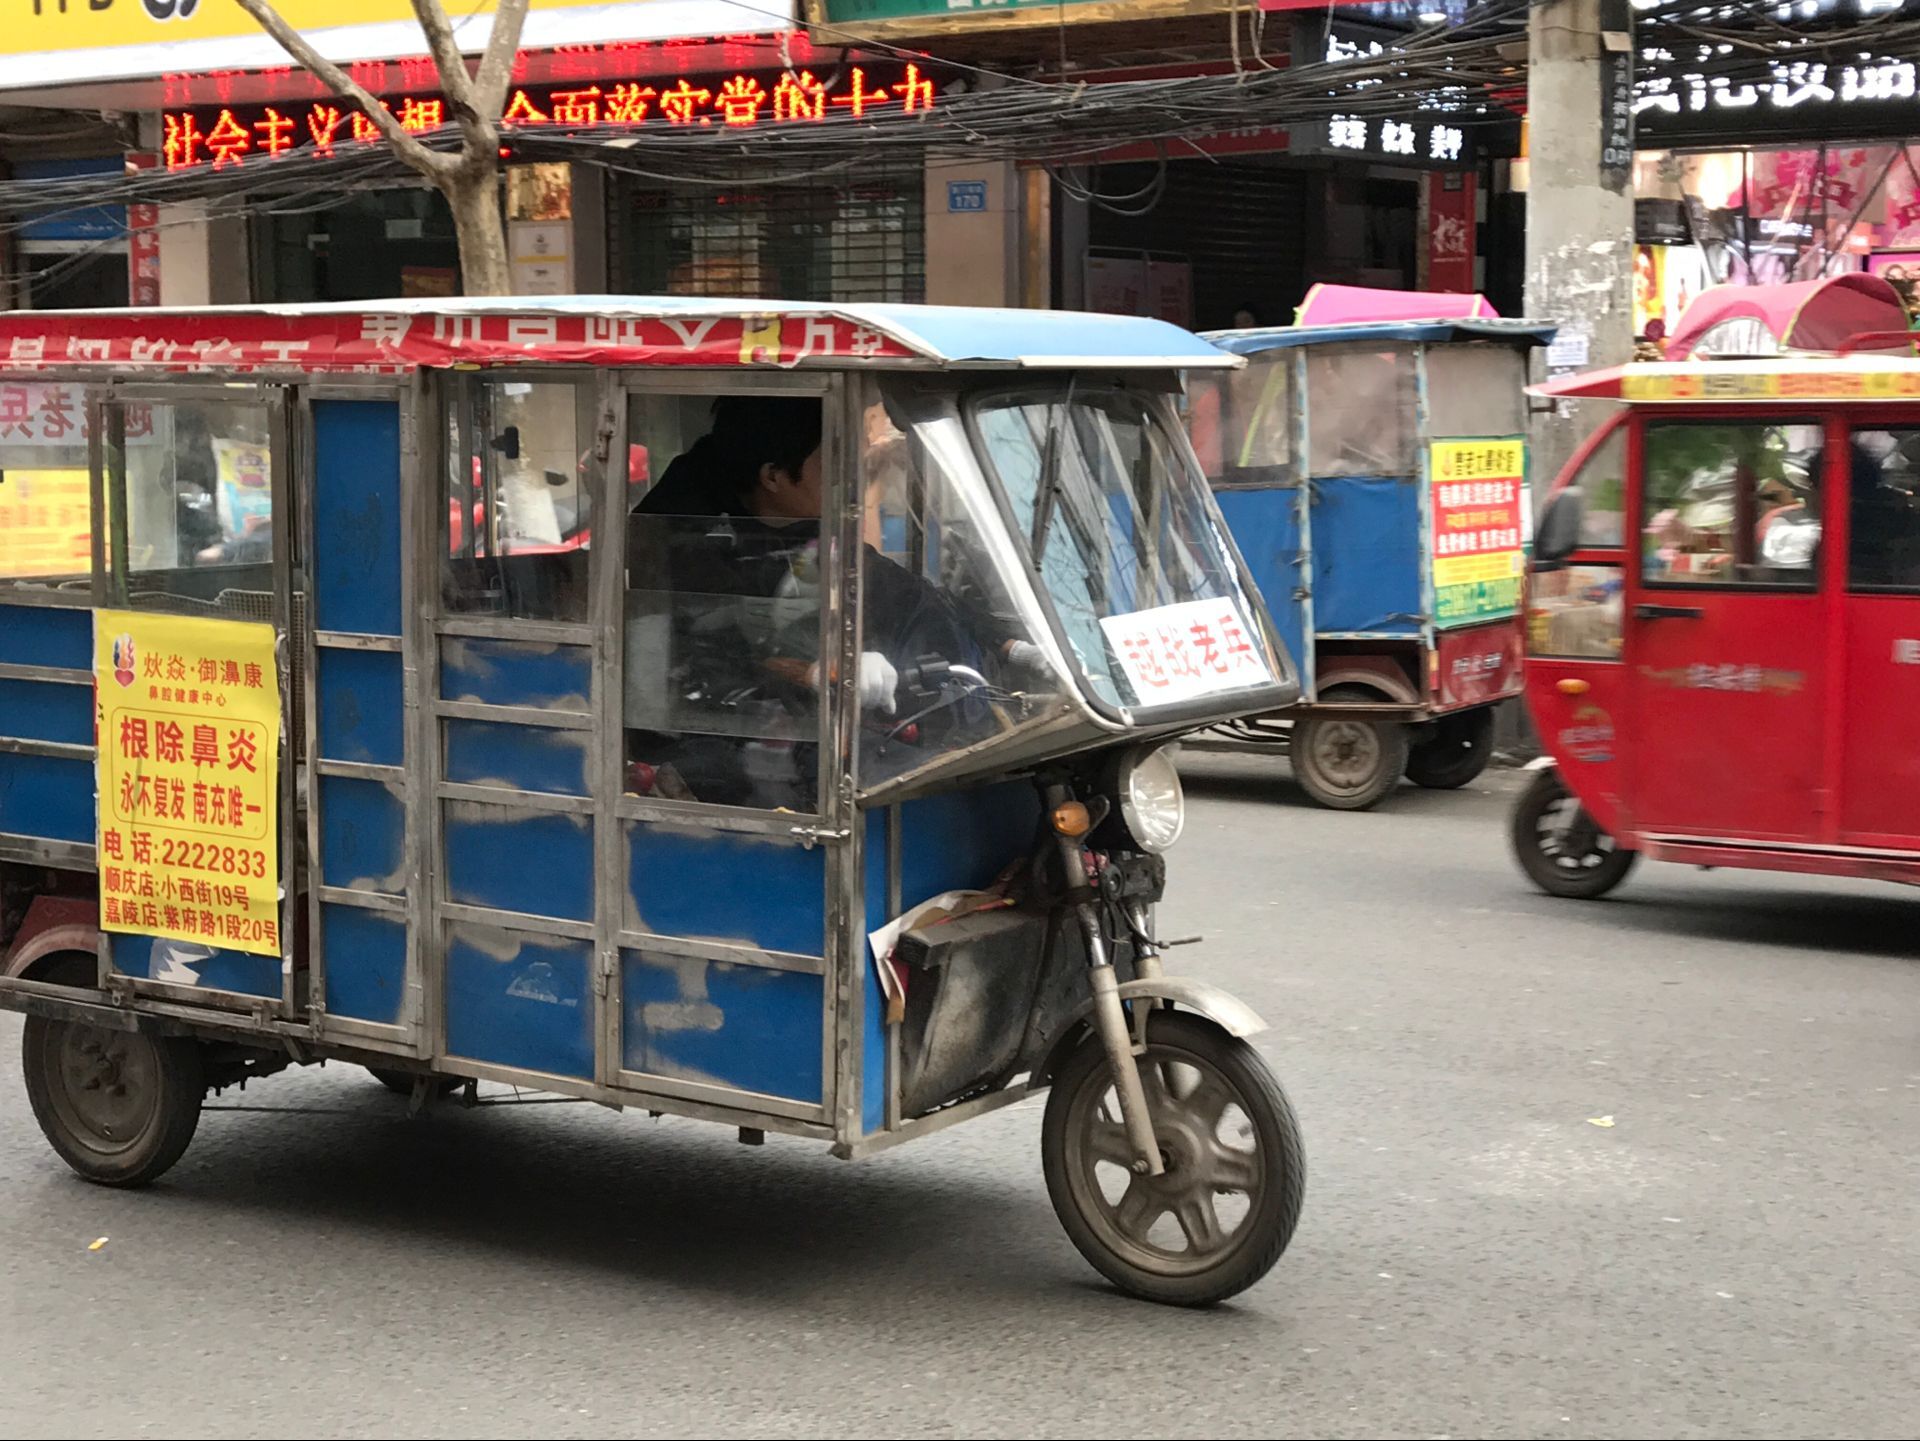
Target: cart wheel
(1456,751)
(119,1106)
(1560,848)
(1225,1209)
(1348,764)
(401,1082)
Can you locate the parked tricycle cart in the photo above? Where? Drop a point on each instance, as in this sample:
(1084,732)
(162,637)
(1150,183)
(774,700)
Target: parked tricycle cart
(1374,475)
(744,715)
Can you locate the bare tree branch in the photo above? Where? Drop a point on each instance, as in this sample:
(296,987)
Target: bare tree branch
(496,65)
(455,83)
(406,145)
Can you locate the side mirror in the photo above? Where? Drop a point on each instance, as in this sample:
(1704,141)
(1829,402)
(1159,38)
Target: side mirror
(1557,536)
(507,442)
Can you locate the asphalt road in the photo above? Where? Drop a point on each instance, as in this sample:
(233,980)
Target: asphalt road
(1736,1253)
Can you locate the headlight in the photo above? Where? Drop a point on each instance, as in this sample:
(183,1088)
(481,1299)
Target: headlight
(1151,801)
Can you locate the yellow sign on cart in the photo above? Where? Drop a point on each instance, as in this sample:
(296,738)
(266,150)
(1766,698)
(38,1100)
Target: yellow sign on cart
(189,750)
(1477,555)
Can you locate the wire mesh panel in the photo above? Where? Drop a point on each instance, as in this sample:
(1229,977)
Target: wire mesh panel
(859,240)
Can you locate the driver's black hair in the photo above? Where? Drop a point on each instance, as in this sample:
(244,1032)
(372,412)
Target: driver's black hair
(751,431)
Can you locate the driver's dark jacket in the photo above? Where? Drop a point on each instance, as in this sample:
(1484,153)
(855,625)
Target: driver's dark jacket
(721,652)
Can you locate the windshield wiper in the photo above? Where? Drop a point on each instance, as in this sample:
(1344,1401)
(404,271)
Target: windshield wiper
(1050,473)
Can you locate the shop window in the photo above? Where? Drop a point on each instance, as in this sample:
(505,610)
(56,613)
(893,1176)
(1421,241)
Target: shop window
(519,492)
(46,530)
(1883,544)
(1574,612)
(1360,417)
(722,599)
(1731,504)
(189,489)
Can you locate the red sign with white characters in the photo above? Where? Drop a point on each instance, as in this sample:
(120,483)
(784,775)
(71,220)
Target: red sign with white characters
(1478,664)
(391,341)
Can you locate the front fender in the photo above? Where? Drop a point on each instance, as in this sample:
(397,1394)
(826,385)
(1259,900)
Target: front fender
(1223,1008)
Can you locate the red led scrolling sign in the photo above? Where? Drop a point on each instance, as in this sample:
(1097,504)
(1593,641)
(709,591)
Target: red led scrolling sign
(232,135)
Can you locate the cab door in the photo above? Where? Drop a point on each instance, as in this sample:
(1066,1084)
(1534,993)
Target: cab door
(1879,801)
(1726,640)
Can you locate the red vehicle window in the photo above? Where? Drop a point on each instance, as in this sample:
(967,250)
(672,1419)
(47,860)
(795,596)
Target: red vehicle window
(1883,547)
(1731,503)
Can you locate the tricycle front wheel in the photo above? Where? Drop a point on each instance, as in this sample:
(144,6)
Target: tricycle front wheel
(1560,847)
(1235,1168)
(120,1107)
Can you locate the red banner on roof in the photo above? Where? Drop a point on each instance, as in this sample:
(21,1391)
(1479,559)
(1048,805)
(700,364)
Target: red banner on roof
(391,341)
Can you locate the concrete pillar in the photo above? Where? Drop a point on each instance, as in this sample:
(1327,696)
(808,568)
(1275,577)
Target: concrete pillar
(973,232)
(1579,206)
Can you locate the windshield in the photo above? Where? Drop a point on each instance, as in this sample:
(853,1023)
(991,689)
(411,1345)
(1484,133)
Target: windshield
(1129,549)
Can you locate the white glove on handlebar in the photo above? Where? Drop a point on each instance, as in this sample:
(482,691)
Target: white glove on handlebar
(878,681)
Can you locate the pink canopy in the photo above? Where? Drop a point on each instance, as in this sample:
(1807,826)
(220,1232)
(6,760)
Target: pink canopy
(1807,315)
(1360,305)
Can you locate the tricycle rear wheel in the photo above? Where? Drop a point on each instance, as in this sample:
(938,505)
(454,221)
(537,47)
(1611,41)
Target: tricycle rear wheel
(1455,750)
(120,1107)
(1235,1167)
(1560,847)
(1347,763)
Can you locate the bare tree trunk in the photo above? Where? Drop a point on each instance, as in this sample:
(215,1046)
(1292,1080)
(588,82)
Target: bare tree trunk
(474,199)
(470,179)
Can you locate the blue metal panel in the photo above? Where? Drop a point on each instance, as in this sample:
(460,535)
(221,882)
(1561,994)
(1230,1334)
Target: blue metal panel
(191,963)
(363,835)
(960,840)
(520,1000)
(1523,333)
(514,672)
(361,715)
(356,516)
(46,797)
(728,1025)
(726,886)
(46,635)
(46,711)
(528,758)
(1367,556)
(1266,526)
(366,963)
(511,858)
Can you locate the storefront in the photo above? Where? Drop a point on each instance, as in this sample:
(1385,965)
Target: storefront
(1242,223)
(1797,170)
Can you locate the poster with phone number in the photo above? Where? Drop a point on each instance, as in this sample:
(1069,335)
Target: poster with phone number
(188,773)
(1478,529)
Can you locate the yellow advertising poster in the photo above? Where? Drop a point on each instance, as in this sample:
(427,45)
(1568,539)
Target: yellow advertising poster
(189,731)
(45,523)
(1477,556)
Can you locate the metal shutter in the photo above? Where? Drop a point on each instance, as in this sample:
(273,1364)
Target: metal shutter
(860,241)
(1241,224)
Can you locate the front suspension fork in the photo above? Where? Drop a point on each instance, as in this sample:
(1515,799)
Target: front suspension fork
(1110,1018)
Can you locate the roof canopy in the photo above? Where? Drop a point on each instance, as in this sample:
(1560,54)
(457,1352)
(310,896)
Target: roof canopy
(1778,381)
(1359,305)
(1807,315)
(399,335)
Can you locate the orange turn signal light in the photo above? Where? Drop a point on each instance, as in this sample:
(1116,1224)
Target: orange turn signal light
(1072,819)
(1571,686)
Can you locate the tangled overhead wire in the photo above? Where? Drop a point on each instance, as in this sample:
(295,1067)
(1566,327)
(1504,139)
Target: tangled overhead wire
(1470,72)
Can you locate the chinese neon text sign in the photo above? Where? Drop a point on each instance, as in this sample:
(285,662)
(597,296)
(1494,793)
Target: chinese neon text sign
(193,139)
